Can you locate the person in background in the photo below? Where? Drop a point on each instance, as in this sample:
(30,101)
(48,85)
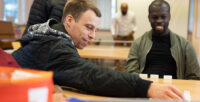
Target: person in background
(161,51)
(52,46)
(7,60)
(123,25)
(42,10)
(122,28)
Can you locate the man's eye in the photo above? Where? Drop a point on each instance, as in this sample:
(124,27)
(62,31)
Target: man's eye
(163,17)
(89,28)
(155,17)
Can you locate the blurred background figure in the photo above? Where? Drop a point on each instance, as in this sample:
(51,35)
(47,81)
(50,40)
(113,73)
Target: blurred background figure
(42,10)
(123,25)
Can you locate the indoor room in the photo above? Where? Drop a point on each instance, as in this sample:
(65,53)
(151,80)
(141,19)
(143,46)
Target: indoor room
(99,50)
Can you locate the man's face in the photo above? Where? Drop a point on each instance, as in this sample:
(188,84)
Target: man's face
(159,19)
(124,8)
(83,30)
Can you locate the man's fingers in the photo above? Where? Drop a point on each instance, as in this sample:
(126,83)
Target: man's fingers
(166,92)
(173,95)
(177,92)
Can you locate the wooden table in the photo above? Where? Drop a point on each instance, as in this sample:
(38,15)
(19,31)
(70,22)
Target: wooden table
(191,85)
(111,41)
(104,52)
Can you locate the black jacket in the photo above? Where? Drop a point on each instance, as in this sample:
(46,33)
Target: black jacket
(42,10)
(45,48)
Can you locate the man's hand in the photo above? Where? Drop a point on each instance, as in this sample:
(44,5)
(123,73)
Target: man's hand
(131,37)
(59,97)
(131,33)
(166,92)
(115,37)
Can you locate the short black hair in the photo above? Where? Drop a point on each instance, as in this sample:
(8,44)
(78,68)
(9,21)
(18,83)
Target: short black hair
(159,4)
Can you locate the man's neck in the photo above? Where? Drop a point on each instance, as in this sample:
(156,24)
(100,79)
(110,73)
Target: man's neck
(160,34)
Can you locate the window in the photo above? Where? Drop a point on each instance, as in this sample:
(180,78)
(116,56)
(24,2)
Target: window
(113,8)
(194,17)
(108,10)
(198,18)
(11,10)
(16,10)
(191,16)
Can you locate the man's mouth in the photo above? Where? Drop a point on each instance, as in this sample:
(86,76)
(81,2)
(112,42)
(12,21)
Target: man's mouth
(84,39)
(159,28)
(87,42)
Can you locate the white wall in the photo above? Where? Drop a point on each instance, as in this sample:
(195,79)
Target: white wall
(105,8)
(179,15)
(24,8)
(28,4)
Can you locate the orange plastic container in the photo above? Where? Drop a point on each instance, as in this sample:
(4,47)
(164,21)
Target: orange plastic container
(37,89)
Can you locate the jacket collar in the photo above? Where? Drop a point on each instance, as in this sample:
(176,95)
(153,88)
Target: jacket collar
(172,37)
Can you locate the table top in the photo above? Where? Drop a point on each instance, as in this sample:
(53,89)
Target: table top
(111,41)
(104,52)
(100,52)
(191,85)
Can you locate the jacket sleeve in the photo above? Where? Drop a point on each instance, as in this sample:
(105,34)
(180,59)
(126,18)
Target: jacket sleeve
(71,70)
(57,7)
(133,60)
(192,66)
(38,13)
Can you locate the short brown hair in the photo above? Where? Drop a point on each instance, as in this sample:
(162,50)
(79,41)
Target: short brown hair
(77,7)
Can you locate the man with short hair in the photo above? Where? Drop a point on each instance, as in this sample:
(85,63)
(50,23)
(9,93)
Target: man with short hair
(123,25)
(52,46)
(7,60)
(161,51)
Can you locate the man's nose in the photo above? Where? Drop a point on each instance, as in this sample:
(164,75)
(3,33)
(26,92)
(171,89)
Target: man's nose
(159,20)
(92,35)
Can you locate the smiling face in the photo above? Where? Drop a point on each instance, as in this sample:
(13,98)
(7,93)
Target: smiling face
(159,18)
(83,30)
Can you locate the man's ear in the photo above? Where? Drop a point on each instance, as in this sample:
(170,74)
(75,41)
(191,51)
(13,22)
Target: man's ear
(69,20)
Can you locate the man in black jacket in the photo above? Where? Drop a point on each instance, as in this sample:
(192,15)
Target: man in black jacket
(52,46)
